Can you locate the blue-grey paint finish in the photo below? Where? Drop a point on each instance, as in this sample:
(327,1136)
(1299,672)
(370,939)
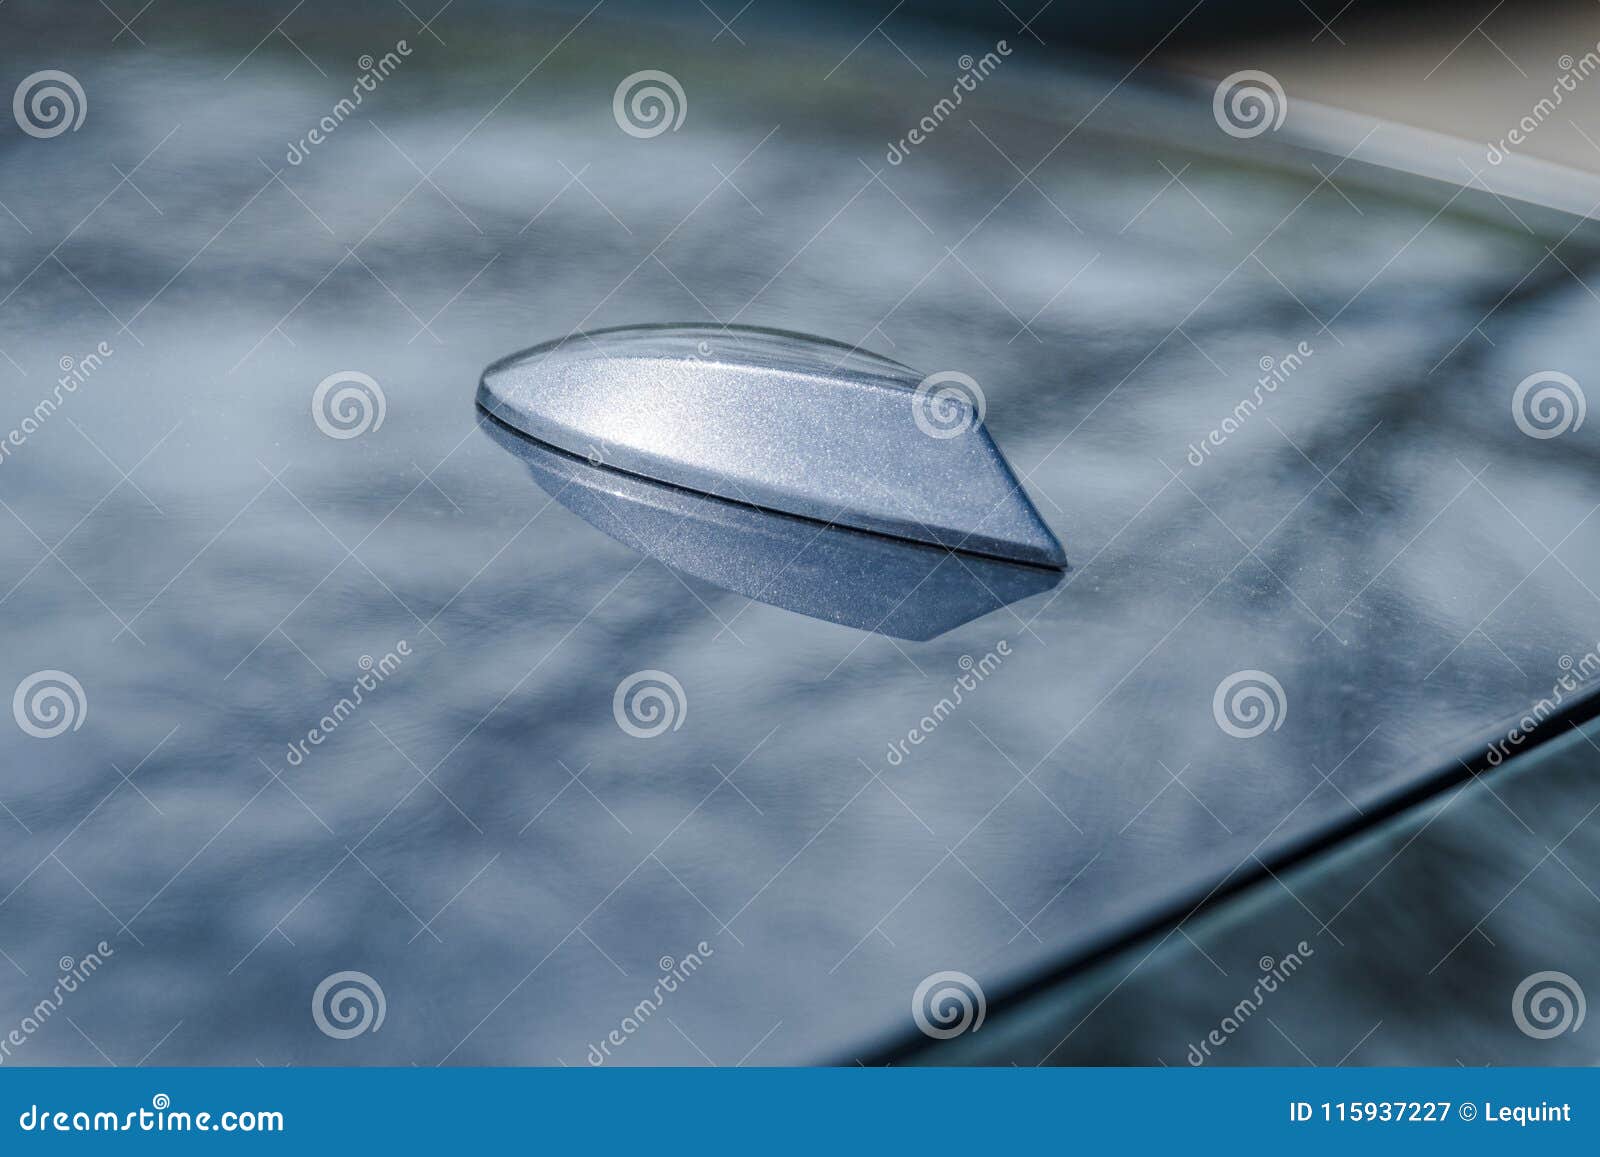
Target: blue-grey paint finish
(906,590)
(777,420)
(828,899)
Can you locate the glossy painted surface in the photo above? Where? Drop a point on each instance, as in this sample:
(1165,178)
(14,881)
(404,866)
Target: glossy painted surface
(1419,938)
(871,582)
(780,421)
(483,837)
